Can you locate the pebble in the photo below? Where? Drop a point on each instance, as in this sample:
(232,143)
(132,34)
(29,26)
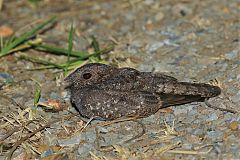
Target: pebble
(47,153)
(231,55)
(228,117)
(187,146)
(197,131)
(159,16)
(103,130)
(149,2)
(84,136)
(6,78)
(233,125)
(154,46)
(236,98)
(54,95)
(238,77)
(84,149)
(212,117)
(29,103)
(180,111)
(134,47)
(180,10)
(192,111)
(215,135)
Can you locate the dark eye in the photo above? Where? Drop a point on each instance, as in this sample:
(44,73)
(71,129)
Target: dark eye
(87,75)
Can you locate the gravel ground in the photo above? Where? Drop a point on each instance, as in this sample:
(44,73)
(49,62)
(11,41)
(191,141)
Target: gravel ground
(190,40)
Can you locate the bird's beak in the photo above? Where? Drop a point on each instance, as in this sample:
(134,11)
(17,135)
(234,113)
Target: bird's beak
(67,82)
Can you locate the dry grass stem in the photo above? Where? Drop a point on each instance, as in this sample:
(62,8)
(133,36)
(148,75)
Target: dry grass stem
(191,152)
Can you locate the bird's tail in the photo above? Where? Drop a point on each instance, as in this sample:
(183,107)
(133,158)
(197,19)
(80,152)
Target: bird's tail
(193,89)
(173,100)
(182,93)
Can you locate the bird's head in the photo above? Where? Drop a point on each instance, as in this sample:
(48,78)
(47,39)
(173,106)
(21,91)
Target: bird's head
(88,74)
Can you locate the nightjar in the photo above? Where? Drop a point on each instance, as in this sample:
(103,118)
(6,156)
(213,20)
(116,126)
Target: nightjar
(105,92)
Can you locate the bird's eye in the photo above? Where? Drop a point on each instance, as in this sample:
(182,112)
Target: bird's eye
(87,75)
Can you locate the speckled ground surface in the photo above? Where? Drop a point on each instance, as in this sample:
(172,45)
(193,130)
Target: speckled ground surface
(190,40)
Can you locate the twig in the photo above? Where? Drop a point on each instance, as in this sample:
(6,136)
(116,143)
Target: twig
(115,121)
(218,108)
(9,155)
(167,148)
(111,147)
(13,131)
(1,4)
(18,143)
(9,134)
(190,152)
(138,135)
(88,122)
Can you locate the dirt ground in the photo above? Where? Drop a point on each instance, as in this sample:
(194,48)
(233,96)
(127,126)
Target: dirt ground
(194,41)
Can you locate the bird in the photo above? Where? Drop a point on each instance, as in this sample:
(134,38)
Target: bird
(106,92)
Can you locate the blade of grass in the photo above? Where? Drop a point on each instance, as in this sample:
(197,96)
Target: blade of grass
(25,45)
(70,41)
(72,63)
(1,42)
(40,61)
(59,51)
(95,45)
(49,64)
(37,96)
(70,45)
(25,36)
(63,51)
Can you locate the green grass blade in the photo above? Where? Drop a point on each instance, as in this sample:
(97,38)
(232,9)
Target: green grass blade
(63,51)
(96,47)
(25,36)
(40,61)
(59,51)
(70,45)
(69,65)
(37,96)
(49,64)
(95,44)
(70,41)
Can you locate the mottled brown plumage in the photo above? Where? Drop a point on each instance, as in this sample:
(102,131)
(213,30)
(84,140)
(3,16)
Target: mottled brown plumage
(106,92)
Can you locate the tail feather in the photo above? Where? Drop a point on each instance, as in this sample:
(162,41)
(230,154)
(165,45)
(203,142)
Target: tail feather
(191,89)
(173,100)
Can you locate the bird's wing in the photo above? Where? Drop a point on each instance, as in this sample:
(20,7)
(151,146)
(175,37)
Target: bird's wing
(159,77)
(173,100)
(110,104)
(128,79)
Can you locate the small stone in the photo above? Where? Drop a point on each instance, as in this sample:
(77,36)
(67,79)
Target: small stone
(159,16)
(197,131)
(152,47)
(236,98)
(149,2)
(54,95)
(47,153)
(181,10)
(212,117)
(228,116)
(193,139)
(5,31)
(215,135)
(231,55)
(187,146)
(6,78)
(233,125)
(84,149)
(103,130)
